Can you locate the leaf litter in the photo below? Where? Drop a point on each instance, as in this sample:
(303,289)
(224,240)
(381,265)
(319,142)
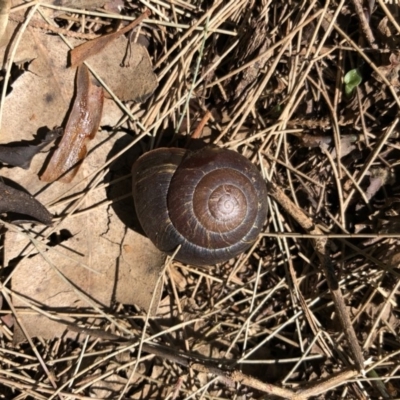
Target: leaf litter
(46,103)
(272,307)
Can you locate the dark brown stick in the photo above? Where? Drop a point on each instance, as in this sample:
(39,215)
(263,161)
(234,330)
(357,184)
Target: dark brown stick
(364,23)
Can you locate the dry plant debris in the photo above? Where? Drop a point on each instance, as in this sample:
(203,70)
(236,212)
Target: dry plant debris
(82,125)
(90,309)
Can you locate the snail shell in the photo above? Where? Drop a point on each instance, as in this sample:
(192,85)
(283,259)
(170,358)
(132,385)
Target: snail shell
(212,202)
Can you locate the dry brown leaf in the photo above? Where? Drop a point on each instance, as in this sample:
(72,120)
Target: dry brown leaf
(81,53)
(136,275)
(82,125)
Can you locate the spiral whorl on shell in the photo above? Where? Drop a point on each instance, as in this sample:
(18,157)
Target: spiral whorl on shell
(211,202)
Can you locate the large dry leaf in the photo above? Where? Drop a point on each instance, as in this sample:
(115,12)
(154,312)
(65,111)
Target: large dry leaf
(102,257)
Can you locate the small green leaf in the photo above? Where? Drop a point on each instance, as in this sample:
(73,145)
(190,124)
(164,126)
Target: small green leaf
(352,79)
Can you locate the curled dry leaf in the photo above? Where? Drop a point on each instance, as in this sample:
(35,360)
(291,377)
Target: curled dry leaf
(16,201)
(20,154)
(82,125)
(84,51)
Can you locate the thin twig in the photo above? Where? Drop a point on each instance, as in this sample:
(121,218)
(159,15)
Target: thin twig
(364,23)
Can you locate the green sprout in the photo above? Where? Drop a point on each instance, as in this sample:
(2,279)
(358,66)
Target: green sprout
(351,80)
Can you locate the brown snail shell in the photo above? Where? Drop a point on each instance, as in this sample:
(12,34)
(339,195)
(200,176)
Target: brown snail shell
(212,202)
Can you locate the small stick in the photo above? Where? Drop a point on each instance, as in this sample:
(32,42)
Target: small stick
(197,134)
(326,384)
(364,23)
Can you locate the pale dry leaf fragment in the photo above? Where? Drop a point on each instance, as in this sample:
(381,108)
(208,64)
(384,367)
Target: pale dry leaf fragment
(82,125)
(8,320)
(81,53)
(140,266)
(42,95)
(388,33)
(87,258)
(325,141)
(5,6)
(114,6)
(379,177)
